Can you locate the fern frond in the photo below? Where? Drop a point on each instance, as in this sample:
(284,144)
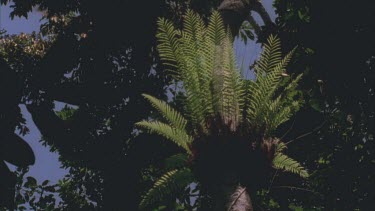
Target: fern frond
(283,162)
(215,29)
(294,83)
(194,80)
(171,115)
(264,110)
(207,68)
(232,87)
(176,161)
(195,75)
(280,147)
(276,114)
(167,185)
(289,94)
(270,56)
(215,56)
(284,106)
(193,26)
(178,136)
(169,46)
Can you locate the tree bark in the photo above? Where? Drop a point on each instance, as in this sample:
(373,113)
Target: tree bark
(232,197)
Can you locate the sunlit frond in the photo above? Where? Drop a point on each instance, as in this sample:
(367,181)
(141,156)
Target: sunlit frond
(171,115)
(285,163)
(178,136)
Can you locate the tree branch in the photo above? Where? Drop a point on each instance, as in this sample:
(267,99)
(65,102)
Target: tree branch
(254,24)
(291,127)
(60,135)
(297,188)
(306,134)
(256,6)
(234,12)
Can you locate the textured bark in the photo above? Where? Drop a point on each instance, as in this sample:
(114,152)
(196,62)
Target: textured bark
(240,200)
(232,198)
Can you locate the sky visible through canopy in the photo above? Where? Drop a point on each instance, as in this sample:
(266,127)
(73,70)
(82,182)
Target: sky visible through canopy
(47,165)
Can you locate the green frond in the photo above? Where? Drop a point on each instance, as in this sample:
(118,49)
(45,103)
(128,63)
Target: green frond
(178,136)
(171,115)
(270,56)
(193,26)
(215,29)
(285,163)
(232,86)
(265,109)
(195,78)
(290,93)
(294,83)
(169,46)
(167,185)
(280,147)
(176,161)
(214,52)
(284,106)
(277,113)
(207,68)
(196,72)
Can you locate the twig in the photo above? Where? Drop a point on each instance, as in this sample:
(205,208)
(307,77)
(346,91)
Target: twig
(273,179)
(286,133)
(297,188)
(306,134)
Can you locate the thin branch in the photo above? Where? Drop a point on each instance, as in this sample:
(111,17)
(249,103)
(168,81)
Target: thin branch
(259,8)
(308,133)
(298,188)
(273,179)
(291,127)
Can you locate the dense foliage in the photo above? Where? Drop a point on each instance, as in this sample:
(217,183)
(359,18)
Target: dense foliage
(98,58)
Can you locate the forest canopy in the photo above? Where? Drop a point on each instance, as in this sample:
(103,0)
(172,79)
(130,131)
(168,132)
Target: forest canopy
(158,113)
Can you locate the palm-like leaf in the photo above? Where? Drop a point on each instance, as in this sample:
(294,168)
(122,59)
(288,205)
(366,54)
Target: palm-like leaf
(170,183)
(283,162)
(176,161)
(266,110)
(178,136)
(270,56)
(172,116)
(206,66)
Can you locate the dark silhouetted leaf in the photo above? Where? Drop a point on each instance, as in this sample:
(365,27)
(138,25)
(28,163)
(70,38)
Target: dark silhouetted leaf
(45,182)
(31,182)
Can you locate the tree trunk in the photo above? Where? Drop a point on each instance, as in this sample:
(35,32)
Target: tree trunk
(232,198)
